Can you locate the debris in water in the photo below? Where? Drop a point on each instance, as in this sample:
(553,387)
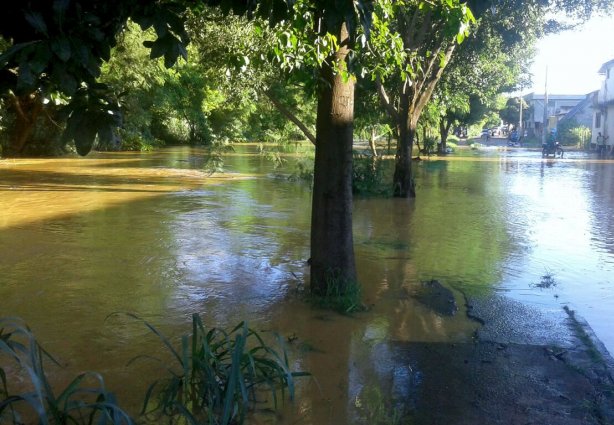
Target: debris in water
(546,281)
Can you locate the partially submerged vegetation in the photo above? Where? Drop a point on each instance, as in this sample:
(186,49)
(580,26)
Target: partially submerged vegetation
(340,296)
(219,377)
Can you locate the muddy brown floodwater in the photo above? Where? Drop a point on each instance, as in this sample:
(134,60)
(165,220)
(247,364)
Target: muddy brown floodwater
(154,235)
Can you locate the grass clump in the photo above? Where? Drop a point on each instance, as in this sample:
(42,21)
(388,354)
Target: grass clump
(84,400)
(338,295)
(219,376)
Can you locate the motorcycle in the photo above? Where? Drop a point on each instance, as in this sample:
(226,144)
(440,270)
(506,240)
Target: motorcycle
(552,148)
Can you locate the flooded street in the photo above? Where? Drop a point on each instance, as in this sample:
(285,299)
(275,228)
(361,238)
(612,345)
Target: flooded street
(84,240)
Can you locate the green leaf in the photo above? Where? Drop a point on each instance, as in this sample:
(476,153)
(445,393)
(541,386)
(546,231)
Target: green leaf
(61,47)
(8,55)
(85,136)
(158,48)
(26,78)
(67,83)
(40,59)
(35,19)
(59,10)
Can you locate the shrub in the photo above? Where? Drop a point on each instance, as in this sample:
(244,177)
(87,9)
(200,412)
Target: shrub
(368,176)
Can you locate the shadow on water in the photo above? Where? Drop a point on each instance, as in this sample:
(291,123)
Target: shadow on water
(163,242)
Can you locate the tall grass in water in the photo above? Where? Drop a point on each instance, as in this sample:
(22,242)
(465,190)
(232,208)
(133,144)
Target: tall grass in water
(75,404)
(218,376)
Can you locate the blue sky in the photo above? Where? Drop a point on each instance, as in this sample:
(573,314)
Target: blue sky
(573,58)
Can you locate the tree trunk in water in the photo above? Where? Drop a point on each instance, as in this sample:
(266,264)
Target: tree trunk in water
(332,246)
(403,180)
(443,134)
(26,109)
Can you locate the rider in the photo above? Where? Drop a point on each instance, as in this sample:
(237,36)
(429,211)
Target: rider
(552,139)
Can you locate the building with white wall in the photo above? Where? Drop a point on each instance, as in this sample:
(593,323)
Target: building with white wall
(558,106)
(603,107)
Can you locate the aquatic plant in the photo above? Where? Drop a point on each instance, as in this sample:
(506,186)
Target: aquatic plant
(219,375)
(76,404)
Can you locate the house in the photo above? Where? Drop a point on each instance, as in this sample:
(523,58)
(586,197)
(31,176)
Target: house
(581,114)
(603,107)
(558,106)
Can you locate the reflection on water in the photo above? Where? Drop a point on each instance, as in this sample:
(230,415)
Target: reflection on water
(152,234)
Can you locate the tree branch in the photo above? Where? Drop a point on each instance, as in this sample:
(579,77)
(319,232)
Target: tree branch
(290,115)
(381,91)
(431,82)
(17,105)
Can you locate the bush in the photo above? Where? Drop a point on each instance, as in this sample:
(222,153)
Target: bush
(368,176)
(570,133)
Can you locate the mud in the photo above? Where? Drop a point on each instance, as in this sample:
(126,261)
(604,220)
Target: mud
(507,375)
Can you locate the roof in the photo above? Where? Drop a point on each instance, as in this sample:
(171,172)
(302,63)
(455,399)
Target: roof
(536,96)
(605,66)
(588,101)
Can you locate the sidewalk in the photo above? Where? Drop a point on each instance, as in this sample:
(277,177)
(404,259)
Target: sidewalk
(524,367)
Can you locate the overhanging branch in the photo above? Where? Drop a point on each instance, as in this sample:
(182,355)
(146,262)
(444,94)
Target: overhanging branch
(381,91)
(290,115)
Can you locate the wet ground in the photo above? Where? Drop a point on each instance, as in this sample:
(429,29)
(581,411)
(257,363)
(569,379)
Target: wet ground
(551,370)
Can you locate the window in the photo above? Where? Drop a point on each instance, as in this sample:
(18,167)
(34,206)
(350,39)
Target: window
(598,120)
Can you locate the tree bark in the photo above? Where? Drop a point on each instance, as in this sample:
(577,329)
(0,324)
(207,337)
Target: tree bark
(332,246)
(413,99)
(444,131)
(403,179)
(372,146)
(26,109)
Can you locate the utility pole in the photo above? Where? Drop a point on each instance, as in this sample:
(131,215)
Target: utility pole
(545,118)
(521,134)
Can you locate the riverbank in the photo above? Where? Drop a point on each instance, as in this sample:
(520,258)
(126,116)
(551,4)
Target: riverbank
(524,366)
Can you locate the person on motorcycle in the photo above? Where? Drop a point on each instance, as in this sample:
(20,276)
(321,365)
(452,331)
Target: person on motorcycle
(551,145)
(552,138)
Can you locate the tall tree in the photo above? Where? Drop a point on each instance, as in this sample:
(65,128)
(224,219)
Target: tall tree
(426,42)
(417,50)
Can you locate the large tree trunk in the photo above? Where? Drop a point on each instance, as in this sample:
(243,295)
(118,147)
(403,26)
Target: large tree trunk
(26,110)
(332,246)
(403,179)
